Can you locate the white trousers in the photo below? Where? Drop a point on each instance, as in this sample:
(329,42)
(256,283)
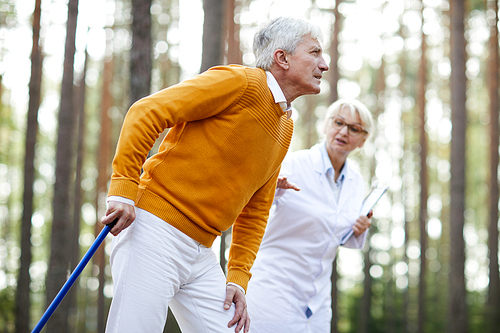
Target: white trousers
(155,266)
(272,312)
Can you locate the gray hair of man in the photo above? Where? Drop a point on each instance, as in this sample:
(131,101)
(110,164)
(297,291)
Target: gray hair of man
(284,33)
(354,107)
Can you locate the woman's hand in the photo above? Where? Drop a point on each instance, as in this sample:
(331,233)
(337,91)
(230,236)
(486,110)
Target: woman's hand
(362,223)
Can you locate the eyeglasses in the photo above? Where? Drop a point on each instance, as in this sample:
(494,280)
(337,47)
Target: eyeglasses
(354,130)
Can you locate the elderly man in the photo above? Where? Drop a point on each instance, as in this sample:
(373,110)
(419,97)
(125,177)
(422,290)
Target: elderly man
(230,129)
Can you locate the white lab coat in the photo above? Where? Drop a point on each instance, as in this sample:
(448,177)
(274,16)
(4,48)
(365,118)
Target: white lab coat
(291,274)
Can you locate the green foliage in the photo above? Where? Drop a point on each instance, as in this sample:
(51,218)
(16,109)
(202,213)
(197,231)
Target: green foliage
(7,306)
(477,5)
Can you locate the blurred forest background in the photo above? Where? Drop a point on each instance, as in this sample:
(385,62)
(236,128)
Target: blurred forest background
(428,70)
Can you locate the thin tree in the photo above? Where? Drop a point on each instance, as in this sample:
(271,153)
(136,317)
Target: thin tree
(233,56)
(334,54)
(334,81)
(23,302)
(493,304)
(213,34)
(103,163)
(77,200)
(424,192)
(365,317)
(233,51)
(59,246)
(405,134)
(457,321)
(140,53)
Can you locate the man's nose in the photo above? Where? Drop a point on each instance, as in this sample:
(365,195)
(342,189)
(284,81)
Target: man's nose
(323,65)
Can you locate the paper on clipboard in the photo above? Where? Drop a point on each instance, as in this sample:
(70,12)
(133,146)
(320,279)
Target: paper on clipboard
(368,204)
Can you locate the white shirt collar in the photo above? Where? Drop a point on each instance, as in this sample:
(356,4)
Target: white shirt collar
(278,95)
(327,165)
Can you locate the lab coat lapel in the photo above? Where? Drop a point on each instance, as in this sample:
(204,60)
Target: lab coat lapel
(347,185)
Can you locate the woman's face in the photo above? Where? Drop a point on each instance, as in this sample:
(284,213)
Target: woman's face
(344,140)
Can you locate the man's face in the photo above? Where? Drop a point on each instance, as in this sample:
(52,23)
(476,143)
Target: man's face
(306,67)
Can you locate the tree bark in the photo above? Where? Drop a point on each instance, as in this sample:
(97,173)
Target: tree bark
(103,163)
(334,278)
(334,54)
(212,55)
(308,122)
(334,81)
(366,299)
(140,54)
(422,82)
(77,201)
(493,304)
(23,302)
(213,34)
(457,321)
(233,53)
(59,254)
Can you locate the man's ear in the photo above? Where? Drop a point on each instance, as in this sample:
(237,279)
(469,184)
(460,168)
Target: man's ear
(280,59)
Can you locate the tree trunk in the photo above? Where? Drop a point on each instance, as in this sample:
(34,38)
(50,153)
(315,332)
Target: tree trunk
(212,55)
(140,54)
(457,309)
(334,278)
(234,56)
(169,70)
(308,122)
(213,34)
(493,305)
(366,299)
(23,302)
(59,254)
(406,133)
(77,201)
(334,80)
(233,53)
(103,163)
(422,82)
(334,55)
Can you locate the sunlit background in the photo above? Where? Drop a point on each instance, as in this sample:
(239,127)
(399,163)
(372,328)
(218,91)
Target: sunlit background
(375,33)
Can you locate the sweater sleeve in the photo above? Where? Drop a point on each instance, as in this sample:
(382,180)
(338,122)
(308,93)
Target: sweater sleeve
(248,231)
(203,96)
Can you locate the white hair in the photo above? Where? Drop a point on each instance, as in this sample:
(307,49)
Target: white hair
(284,33)
(355,107)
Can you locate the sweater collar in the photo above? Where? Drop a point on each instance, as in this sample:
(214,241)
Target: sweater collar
(278,95)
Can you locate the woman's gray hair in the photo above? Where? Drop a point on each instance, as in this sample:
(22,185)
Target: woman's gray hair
(281,33)
(354,107)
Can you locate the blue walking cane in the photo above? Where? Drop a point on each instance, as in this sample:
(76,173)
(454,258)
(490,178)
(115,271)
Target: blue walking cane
(78,270)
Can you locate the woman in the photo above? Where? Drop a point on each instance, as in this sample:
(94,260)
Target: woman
(290,288)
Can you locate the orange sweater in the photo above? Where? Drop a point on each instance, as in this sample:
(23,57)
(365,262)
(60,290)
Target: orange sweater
(217,166)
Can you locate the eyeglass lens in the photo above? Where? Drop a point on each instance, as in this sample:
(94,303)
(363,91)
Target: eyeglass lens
(353,129)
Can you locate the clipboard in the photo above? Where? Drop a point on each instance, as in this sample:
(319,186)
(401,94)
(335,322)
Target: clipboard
(371,199)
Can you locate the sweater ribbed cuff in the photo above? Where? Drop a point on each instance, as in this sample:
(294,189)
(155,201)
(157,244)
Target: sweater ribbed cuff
(239,277)
(123,188)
